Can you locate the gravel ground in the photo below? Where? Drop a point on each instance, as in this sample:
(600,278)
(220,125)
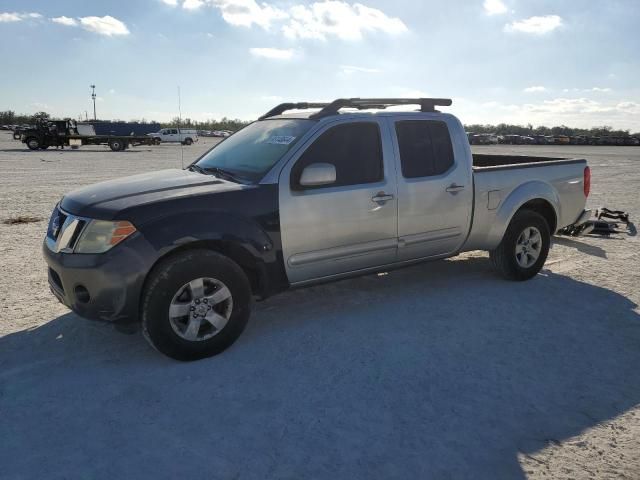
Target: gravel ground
(441,370)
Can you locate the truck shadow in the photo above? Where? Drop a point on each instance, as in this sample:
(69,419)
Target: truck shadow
(441,370)
(580,246)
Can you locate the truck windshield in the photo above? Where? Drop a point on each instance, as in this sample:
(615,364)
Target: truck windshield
(250,153)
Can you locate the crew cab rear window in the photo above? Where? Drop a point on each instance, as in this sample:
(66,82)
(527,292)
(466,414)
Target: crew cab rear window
(355,149)
(425,148)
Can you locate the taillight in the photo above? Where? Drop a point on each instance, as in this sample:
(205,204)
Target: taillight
(587,181)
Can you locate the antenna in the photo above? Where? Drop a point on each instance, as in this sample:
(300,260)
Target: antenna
(180,129)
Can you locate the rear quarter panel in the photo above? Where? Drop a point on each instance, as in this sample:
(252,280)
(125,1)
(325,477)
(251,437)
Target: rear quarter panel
(501,191)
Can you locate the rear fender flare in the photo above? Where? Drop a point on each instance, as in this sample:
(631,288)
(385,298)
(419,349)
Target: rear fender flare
(534,190)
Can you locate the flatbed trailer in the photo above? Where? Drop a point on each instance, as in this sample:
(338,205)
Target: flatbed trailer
(66,133)
(115,142)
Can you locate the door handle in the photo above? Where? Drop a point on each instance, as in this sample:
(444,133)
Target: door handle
(453,188)
(382,198)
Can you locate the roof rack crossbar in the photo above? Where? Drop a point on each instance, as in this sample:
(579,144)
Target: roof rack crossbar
(426,104)
(283,107)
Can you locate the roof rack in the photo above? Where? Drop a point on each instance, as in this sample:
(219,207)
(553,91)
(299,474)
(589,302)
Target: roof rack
(283,107)
(327,109)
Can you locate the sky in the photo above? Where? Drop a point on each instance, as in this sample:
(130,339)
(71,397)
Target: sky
(572,62)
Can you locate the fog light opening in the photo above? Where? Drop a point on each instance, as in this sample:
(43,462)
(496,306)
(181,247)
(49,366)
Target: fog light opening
(82,294)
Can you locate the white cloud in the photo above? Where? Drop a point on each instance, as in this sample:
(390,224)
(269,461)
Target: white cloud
(192,4)
(336,18)
(171,3)
(242,13)
(494,7)
(535,25)
(70,22)
(588,90)
(535,89)
(245,13)
(106,25)
(8,17)
(350,69)
(272,53)
(568,105)
(318,20)
(271,98)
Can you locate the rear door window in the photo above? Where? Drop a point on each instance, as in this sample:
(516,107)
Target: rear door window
(425,148)
(355,149)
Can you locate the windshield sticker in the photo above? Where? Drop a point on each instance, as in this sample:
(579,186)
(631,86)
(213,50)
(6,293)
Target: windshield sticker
(281,140)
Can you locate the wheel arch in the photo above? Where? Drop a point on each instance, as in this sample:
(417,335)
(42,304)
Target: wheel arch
(535,195)
(254,270)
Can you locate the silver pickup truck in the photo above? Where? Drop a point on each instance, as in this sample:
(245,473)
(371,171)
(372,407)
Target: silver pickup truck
(325,191)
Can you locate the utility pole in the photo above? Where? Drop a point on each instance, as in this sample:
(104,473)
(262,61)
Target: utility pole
(93,96)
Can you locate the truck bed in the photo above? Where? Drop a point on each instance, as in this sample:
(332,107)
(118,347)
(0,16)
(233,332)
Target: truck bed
(484,161)
(496,177)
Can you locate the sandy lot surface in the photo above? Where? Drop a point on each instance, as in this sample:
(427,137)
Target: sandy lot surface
(441,370)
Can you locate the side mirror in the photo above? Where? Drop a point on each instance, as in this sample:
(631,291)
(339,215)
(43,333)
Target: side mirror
(318,174)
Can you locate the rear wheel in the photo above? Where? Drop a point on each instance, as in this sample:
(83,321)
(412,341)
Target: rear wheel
(524,247)
(33,143)
(195,305)
(188,141)
(116,145)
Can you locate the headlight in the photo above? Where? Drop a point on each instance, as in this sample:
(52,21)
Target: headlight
(100,236)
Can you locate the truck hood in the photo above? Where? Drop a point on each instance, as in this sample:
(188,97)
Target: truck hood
(106,200)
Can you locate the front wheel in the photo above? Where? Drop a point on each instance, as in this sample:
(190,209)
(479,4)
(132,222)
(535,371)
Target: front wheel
(524,247)
(33,143)
(188,141)
(195,305)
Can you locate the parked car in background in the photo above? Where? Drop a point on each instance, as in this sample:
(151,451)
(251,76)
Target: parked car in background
(631,141)
(221,133)
(561,140)
(484,139)
(511,140)
(176,135)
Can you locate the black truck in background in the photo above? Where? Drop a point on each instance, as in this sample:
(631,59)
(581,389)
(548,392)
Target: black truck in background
(62,133)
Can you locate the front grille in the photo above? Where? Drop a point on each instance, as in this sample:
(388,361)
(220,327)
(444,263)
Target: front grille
(64,231)
(55,223)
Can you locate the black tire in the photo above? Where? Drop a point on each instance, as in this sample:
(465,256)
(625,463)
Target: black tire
(504,256)
(16,136)
(33,143)
(116,145)
(157,141)
(166,280)
(188,141)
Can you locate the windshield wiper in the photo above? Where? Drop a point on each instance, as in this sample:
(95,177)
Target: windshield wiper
(217,172)
(197,168)
(224,174)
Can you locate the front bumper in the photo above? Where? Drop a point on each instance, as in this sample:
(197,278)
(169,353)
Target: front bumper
(103,286)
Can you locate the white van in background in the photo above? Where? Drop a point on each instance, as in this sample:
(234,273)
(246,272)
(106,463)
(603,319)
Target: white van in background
(176,135)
